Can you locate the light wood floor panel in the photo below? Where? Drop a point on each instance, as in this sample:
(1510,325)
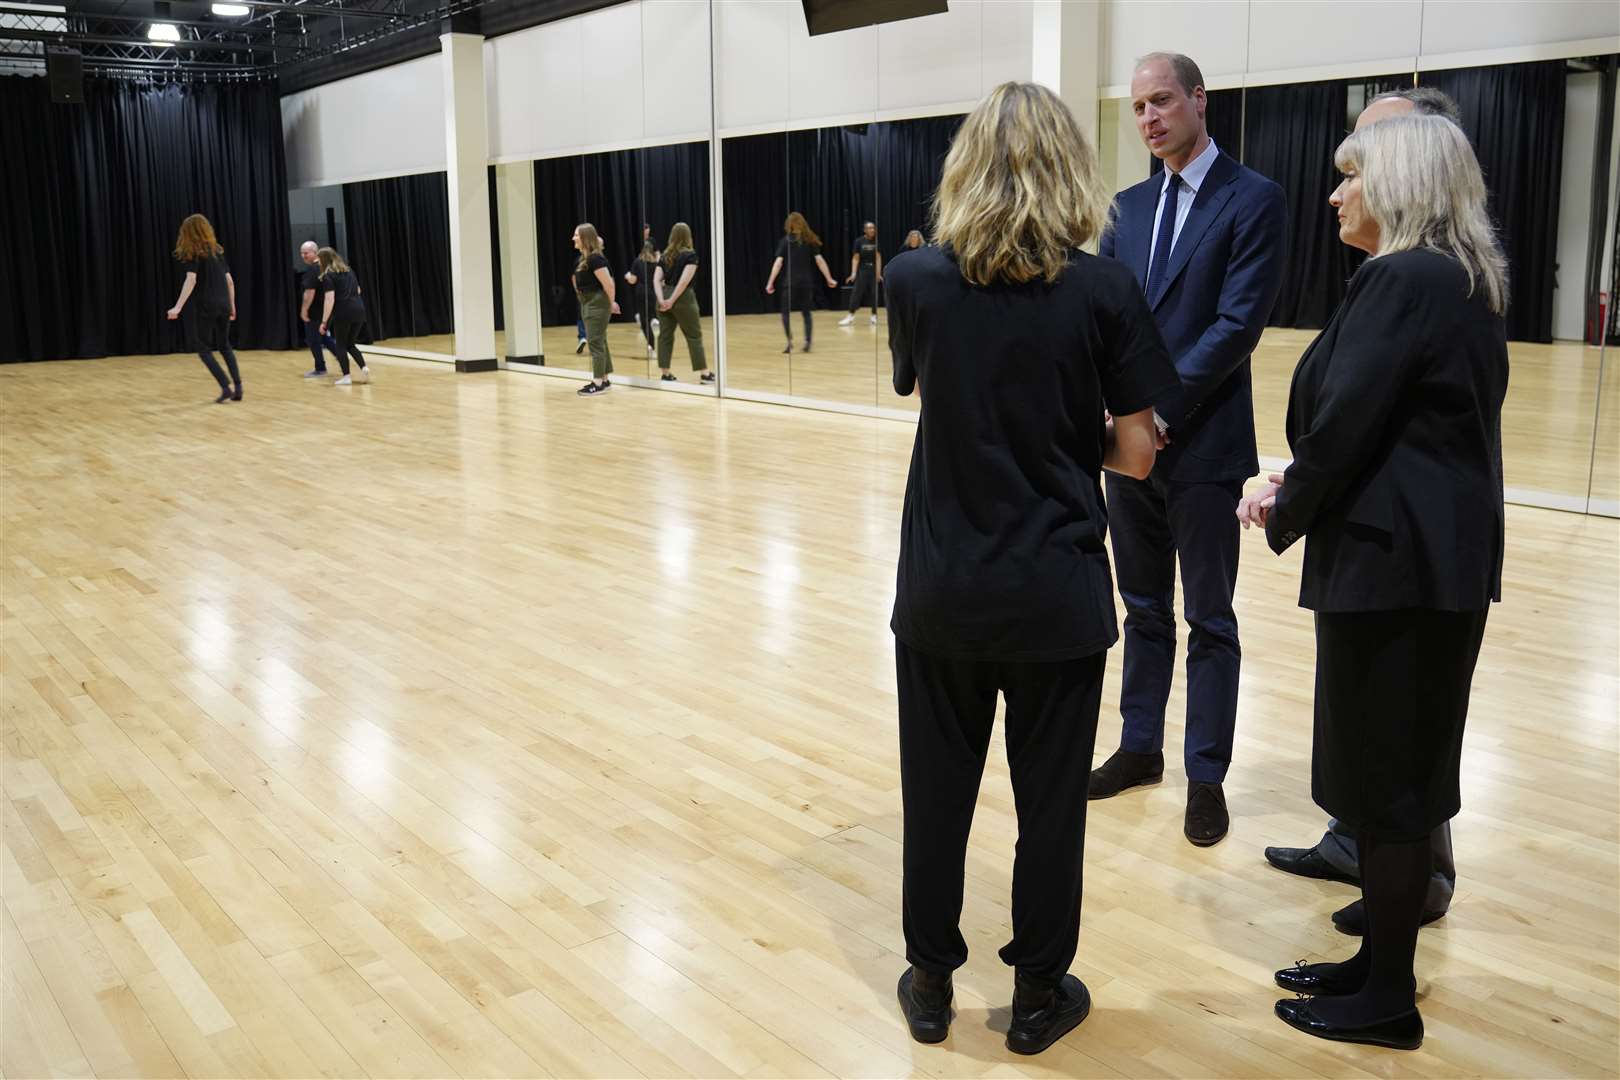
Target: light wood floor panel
(453,725)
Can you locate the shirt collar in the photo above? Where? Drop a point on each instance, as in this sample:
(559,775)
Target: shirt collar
(1197,169)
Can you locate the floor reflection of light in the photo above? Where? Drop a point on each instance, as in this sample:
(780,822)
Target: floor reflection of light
(675,543)
(211,635)
(780,572)
(366,764)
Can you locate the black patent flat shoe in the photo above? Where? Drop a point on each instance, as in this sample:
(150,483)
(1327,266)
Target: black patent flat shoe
(1403,1032)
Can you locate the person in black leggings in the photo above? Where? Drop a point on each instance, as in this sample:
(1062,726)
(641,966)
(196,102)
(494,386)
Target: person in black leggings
(865,273)
(797,254)
(208,321)
(640,279)
(344,312)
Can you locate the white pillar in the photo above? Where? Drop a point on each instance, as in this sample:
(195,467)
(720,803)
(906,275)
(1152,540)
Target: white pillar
(520,264)
(1066,52)
(466,128)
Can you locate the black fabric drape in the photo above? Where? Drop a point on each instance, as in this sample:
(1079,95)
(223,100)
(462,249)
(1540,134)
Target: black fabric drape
(91,199)
(1514,116)
(839,179)
(495,251)
(618,192)
(399,247)
(1291,132)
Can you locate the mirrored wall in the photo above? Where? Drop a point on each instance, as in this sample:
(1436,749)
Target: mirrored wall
(395,234)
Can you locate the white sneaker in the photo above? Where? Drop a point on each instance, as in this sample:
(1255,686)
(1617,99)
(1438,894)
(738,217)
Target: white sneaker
(846,320)
(874,320)
(345,381)
(362,375)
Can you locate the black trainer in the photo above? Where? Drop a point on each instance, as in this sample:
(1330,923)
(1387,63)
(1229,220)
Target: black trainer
(925,1000)
(591,389)
(1043,1015)
(707,376)
(668,376)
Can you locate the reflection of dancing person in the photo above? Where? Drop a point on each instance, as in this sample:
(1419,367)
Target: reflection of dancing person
(208,323)
(345,312)
(593,284)
(679,307)
(640,279)
(866,271)
(309,286)
(799,250)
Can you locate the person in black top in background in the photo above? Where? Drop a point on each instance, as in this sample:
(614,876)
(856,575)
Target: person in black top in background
(799,253)
(866,271)
(1395,425)
(344,311)
(1020,344)
(640,279)
(677,303)
(309,287)
(593,284)
(208,320)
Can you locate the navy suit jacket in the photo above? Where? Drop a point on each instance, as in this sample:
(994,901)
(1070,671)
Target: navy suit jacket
(1223,277)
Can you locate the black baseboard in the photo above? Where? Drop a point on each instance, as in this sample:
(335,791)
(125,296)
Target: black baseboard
(540,360)
(478,365)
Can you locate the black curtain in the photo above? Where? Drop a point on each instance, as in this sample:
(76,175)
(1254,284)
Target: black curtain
(495,251)
(1223,117)
(675,187)
(1291,132)
(839,179)
(399,247)
(1514,116)
(92,196)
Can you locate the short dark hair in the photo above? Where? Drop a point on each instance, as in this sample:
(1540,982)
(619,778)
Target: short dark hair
(1183,67)
(1426,101)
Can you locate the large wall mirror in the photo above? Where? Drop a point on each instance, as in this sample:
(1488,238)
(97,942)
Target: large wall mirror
(1538,131)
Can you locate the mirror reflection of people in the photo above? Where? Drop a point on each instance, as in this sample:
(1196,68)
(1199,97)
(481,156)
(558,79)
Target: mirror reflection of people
(678,306)
(309,287)
(866,271)
(1335,857)
(799,253)
(1394,424)
(344,310)
(579,322)
(208,320)
(642,301)
(1017,341)
(593,284)
(914,240)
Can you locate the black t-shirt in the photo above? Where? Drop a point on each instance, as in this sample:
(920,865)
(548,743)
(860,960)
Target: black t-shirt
(345,288)
(867,250)
(1002,553)
(585,277)
(310,278)
(211,297)
(644,273)
(798,260)
(673,269)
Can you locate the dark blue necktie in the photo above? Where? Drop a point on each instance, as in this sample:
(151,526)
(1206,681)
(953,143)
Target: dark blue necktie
(1167,238)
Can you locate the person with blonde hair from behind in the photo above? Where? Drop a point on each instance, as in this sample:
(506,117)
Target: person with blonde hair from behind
(675,272)
(208,320)
(1019,344)
(1394,422)
(344,311)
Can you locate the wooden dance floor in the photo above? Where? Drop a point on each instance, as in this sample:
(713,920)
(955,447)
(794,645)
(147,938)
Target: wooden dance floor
(454,725)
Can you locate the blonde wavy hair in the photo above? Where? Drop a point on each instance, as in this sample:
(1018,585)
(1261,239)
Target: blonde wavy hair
(590,243)
(331,262)
(1021,188)
(1421,182)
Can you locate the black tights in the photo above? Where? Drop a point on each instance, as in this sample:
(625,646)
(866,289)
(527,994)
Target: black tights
(346,333)
(213,367)
(804,299)
(1394,884)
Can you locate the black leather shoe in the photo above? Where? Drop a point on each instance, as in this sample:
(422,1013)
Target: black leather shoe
(1124,770)
(236,395)
(1207,819)
(1404,1032)
(1041,1016)
(224,396)
(1307,862)
(926,1002)
(1322,980)
(1352,919)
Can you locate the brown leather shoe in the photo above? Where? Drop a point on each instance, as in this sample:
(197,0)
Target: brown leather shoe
(1207,820)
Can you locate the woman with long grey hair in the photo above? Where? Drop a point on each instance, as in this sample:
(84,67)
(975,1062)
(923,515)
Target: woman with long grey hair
(1394,420)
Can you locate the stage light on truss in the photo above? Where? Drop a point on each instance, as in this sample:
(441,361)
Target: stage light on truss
(234,10)
(163,32)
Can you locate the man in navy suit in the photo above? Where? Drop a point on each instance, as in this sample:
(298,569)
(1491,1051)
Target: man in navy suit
(1207,239)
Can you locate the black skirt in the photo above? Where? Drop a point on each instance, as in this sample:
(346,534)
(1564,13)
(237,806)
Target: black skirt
(206,333)
(1391,703)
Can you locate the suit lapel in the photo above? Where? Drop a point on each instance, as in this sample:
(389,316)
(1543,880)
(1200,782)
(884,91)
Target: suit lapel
(1212,197)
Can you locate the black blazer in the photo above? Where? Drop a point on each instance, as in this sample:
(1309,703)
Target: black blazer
(1222,279)
(1395,423)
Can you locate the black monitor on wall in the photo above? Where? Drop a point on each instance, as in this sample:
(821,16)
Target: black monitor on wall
(830,16)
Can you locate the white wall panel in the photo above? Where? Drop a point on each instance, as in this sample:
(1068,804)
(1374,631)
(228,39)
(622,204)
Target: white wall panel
(1470,25)
(831,74)
(1285,35)
(751,76)
(921,61)
(1005,45)
(1212,32)
(383,123)
(675,40)
(611,77)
